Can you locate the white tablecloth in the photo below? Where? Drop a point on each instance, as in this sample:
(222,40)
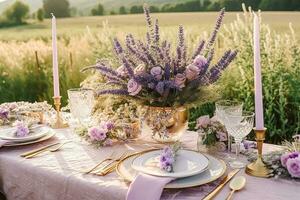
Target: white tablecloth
(57,176)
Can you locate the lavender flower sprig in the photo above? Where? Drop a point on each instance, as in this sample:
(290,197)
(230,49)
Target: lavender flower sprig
(168,157)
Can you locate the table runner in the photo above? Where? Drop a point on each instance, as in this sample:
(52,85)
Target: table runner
(57,176)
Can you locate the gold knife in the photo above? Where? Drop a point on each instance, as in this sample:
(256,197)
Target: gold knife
(225,180)
(38,150)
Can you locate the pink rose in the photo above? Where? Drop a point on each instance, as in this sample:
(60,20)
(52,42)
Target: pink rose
(192,72)
(200,61)
(203,121)
(122,71)
(285,157)
(293,167)
(157,72)
(180,80)
(140,69)
(133,87)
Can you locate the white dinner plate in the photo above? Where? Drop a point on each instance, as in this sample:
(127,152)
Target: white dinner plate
(36,133)
(215,170)
(188,163)
(49,135)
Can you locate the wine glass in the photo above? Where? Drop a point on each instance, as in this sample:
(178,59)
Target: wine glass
(81,102)
(232,106)
(239,126)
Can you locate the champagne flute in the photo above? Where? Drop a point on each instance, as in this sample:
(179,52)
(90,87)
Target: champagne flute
(239,126)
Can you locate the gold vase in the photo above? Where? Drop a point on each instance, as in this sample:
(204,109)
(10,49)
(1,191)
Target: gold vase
(165,124)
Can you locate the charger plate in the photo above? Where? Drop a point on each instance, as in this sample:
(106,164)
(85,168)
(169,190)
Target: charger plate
(215,170)
(49,135)
(188,163)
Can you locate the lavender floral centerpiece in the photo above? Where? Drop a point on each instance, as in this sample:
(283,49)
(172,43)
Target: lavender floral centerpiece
(157,76)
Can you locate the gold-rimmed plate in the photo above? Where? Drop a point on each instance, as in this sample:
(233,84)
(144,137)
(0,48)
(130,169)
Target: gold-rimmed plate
(215,170)
(49,135)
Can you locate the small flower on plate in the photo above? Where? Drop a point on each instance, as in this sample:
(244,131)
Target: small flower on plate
(22,129)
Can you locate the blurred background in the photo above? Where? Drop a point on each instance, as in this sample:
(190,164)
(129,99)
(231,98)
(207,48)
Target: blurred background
(86,28)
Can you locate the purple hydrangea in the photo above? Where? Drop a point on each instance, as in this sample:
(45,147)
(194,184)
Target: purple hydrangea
(97,133)
(133,87)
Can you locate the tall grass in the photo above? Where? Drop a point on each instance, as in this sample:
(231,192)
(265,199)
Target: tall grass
(26,68)
(25,76)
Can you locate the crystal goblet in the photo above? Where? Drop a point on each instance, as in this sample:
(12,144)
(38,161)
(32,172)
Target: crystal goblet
(81,102)
(230,106)
(239,126)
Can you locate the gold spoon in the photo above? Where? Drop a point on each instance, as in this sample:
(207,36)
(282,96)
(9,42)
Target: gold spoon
(236,184)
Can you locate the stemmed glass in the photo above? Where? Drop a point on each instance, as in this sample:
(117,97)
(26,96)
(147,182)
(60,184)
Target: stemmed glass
(81,102)
(239,126)
(229,106)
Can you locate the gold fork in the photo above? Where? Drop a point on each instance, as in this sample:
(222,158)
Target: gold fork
(100,163)
(53,149)
(110,166)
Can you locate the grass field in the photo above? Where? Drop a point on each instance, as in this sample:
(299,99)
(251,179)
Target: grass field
(278,21)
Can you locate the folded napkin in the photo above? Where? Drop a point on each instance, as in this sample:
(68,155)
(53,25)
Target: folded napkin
(3,142)
(147,187)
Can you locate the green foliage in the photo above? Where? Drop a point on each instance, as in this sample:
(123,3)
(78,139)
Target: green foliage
(60,8)
(40,14)
(17,12)
(98,11)
(122,10)
(136,9)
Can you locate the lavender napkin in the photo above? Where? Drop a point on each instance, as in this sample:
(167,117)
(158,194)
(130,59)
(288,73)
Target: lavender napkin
(147,187)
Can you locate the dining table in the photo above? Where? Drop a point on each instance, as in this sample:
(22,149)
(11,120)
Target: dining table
(59,175)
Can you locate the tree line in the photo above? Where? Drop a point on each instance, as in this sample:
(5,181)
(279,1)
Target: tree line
(17,13)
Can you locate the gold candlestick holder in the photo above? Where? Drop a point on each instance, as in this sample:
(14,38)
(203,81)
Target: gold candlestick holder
(59,122)
(258,168)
